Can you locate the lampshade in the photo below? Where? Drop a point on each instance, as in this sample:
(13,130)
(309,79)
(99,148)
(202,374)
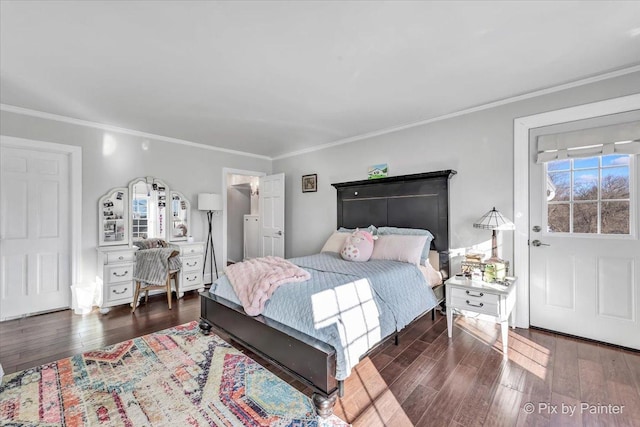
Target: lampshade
(494,220)
(209,202)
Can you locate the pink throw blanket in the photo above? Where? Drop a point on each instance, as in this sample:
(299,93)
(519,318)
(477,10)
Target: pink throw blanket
(255,280)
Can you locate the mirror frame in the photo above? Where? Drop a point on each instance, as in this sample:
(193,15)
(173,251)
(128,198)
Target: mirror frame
(125,217)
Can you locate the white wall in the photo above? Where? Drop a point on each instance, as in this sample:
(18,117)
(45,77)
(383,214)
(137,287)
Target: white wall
(478,145)
(112,160)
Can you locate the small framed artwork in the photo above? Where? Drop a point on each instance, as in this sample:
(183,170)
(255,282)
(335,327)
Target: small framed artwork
(309,183)
(378,171)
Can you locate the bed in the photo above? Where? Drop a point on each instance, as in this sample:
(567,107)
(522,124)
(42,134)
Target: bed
(316,352)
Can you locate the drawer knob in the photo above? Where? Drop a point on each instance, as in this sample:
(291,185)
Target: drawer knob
(121,275)
(475,295)
(120,257)
(192,265)
(192,278)
(121,292)
(475,305)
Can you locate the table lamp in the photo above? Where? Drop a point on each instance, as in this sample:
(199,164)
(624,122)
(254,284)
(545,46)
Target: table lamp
(494,220)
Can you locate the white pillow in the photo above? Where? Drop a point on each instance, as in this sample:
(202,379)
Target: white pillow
(396,247)
(335,242)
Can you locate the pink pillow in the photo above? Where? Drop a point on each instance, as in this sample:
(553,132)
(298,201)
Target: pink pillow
(396,247)
(358,246)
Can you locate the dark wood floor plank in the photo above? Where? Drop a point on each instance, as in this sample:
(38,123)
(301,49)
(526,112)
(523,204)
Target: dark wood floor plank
(565,379)
(447,401)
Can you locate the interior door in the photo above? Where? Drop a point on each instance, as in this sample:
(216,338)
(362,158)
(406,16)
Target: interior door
(584,248)
(271,202)
(34,231)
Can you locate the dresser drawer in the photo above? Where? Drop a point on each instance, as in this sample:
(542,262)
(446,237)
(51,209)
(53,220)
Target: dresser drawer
(193,263)
(186,250)
(119,257)
(118,273)
(475,296)
(120,292)
(190,280)
(477,306)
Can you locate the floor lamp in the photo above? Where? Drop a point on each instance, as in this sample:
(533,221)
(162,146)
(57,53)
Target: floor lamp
(210,203)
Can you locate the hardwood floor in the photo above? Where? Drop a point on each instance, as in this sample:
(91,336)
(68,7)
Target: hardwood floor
(426,380)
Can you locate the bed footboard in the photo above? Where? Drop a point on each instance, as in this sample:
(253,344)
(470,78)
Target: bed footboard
(308,359)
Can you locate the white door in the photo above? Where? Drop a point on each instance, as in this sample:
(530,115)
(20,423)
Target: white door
(35,260)
(584,248)
(271,202)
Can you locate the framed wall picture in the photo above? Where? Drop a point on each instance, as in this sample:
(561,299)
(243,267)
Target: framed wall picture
(309,183)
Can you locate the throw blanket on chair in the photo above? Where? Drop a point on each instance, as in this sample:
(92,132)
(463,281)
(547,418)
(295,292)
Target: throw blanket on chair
(153,265)
(255,280)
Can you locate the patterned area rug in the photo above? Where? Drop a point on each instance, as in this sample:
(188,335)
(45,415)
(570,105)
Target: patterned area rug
(175,377)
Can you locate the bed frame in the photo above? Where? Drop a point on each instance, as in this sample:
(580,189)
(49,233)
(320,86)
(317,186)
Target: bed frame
(410,201)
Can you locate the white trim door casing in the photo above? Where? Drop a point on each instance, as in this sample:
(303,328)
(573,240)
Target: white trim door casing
(521,129)
(68,227)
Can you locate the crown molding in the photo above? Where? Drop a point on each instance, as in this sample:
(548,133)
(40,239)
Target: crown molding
(494,104)
(110,128)
(487,106)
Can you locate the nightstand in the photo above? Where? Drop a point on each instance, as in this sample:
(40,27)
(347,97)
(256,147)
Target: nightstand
(493,299)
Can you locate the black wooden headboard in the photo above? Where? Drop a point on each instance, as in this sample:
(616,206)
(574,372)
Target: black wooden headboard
(410,201)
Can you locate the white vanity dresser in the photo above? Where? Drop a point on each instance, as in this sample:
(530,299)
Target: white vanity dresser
(144,209)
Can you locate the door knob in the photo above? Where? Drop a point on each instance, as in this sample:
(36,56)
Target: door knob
(279,233)
(537,243)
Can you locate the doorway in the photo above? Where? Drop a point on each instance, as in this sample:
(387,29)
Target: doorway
(240,194)
(522,162)
(584,232)
(40,212)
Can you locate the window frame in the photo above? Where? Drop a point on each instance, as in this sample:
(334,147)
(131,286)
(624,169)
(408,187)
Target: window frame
(633,203)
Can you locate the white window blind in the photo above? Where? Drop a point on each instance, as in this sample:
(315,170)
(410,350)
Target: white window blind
(621,138)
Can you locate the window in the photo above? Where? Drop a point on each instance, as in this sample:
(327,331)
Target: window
(589,195)
(140,215)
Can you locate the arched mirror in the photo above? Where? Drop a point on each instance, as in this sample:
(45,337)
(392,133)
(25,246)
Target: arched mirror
(113,212)
(180,211)
(148,208)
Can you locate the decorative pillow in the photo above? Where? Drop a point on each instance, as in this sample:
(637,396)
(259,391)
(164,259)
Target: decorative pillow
(335,242)
(397,247)
(358,246)
(383,231)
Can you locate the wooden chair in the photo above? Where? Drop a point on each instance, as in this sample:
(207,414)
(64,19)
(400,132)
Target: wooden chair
(151,245)
(164,287)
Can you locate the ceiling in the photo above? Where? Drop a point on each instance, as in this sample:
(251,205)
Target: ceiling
(271,78)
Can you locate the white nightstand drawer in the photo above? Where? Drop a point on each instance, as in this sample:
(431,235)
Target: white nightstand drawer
(119,273)
(475,296)
(192,263)
(475,305)
(120,292)
(116,257)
